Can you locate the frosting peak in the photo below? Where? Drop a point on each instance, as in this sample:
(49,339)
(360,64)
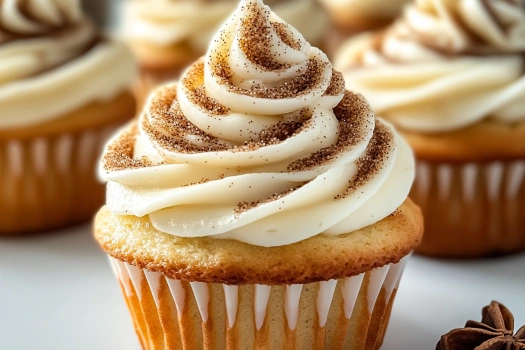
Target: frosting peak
(258,135)
(469,53)
(259,64)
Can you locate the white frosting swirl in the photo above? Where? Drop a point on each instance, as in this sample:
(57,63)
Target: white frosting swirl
(170,22)
(444,65)
(258,143)
(53,61)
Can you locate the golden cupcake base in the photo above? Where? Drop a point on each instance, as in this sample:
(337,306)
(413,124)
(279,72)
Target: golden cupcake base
(329,292)
(48,172)
(351,313)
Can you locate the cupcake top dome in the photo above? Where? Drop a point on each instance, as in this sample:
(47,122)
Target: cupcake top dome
(53,60)
(260,143)
(467,53)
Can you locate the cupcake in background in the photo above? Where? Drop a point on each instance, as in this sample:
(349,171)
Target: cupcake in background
(63,89)
(362,15)
(168,35)
(100,11)
(354,16)
(256,203)
(450,75)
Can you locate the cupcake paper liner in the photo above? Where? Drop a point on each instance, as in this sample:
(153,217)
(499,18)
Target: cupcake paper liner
(471,209)
(49,182)
(350,313)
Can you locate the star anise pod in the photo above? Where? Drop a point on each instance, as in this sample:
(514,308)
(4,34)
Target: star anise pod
(494,332)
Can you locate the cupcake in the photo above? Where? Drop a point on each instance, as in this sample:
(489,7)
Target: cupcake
(449,74)
(361,15)
(64,89)
(168,35)
(256,203)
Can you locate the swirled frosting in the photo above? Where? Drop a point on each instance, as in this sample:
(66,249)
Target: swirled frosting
(52,60)
(444,65)
(169,22)
(259,142)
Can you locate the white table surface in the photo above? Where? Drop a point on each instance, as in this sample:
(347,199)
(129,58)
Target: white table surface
(57,292)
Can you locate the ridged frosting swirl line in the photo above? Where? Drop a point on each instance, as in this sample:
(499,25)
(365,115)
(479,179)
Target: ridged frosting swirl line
(202,161)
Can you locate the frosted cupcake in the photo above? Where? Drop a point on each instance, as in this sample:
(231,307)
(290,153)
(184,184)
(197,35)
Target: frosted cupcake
(360,15)
(449,74)
(63,90)
(256,203)
(168,35)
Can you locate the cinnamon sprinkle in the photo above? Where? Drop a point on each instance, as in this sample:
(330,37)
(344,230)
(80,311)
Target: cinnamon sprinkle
(377,153)
(245,206)
(282,31)
(119,155)
(351,113)
(194,83)
(295,87)
(170,128)
(255,39)
(337,84)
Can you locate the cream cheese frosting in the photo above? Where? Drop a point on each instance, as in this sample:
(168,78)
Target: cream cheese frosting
(171,22)
(52,60)
(260,143)
(444,65)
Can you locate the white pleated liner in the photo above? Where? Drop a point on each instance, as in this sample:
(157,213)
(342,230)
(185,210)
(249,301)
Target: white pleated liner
(495,182)
(61,150)
(460,186)
(63,156)
(386,277)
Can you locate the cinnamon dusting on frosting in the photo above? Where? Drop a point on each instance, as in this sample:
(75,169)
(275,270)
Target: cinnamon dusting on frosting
(337,84)
(245,206)
(377,153)
(297,86)
(281,29)
(119,154)
(352,130)
(254,39)
(197,92)
(170,129)
(266,133)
